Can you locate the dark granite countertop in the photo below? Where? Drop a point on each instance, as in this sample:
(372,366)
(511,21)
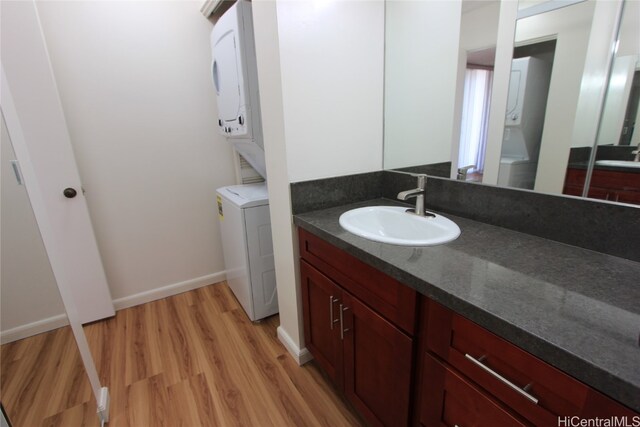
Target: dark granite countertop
(577,309)
(585,165)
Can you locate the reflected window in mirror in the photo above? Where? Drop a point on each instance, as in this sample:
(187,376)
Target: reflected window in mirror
(478,39)
(478,81)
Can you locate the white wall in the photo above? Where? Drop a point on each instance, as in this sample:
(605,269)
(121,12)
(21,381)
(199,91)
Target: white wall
(320,67)
(29,290)
(134,82)
(479,27)
(422,41)
(285,248)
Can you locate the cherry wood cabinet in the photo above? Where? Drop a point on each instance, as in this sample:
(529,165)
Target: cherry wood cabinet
(377,365)
(465,366)
(393,300)
(615,186)
(405,360)
(321,301)
(367,355)
(452,400)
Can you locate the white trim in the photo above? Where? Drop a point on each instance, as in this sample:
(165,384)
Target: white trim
(55,322)
(169,290)
(33,328)
(301,356)
(547,6)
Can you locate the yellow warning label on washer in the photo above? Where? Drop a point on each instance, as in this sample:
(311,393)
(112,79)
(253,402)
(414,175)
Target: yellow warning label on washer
(220,212)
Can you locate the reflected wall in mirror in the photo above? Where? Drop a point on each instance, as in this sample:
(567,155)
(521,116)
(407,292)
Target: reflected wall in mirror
(543,97)
(418,95)
(421,91)
(612,170)
(547,123)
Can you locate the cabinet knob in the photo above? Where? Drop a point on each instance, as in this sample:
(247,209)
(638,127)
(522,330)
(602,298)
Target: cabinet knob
(69,193)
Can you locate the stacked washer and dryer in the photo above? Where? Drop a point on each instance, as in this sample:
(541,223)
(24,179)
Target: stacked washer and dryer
(243,210)
(524,122)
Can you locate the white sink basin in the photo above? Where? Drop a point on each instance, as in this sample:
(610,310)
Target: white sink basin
(619,163)
(391,224)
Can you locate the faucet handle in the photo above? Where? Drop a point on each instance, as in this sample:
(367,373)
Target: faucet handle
(422,178)
(462,172)
(417,175)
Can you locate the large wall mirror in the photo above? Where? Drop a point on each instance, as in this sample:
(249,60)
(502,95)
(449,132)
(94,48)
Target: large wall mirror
(537,95)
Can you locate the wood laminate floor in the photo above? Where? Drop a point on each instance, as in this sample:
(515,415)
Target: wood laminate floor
(193,359)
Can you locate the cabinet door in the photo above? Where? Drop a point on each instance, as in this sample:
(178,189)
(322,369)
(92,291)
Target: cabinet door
(321,301)
(377,365)
(449,399)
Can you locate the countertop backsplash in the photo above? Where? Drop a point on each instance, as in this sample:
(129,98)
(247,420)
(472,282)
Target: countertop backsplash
(609,228)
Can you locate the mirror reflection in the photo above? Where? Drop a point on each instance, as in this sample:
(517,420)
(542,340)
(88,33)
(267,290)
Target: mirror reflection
(551,53)
(478,39)
(553,95)
(612,170)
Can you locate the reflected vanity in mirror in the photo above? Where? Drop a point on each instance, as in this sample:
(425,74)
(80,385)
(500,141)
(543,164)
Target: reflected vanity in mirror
(560,121)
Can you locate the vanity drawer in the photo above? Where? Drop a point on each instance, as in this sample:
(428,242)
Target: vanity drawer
(532,388)
(392,299)
(451,400)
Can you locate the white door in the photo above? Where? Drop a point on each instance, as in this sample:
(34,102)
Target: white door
(37,126)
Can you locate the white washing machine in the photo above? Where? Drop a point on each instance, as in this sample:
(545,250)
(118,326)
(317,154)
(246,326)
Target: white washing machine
(245,225)
(517,172)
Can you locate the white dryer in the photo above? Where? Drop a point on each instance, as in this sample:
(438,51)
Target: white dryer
(235,77)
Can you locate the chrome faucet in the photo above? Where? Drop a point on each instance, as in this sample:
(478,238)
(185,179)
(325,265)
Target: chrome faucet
(418,193)
(637,153)
(462,172)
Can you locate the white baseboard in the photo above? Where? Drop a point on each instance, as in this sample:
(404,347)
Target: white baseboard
(167,291)
(301,356)
(34,328)
(55,322)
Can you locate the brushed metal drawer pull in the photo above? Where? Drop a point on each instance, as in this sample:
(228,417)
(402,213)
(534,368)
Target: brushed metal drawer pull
(342,329)
(501,378)
(331,319)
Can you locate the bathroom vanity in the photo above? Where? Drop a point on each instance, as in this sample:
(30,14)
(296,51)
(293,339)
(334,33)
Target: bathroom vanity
(358,321)
(495,328)
(617,184)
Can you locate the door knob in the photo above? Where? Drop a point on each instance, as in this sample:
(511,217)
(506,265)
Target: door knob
(70,193)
